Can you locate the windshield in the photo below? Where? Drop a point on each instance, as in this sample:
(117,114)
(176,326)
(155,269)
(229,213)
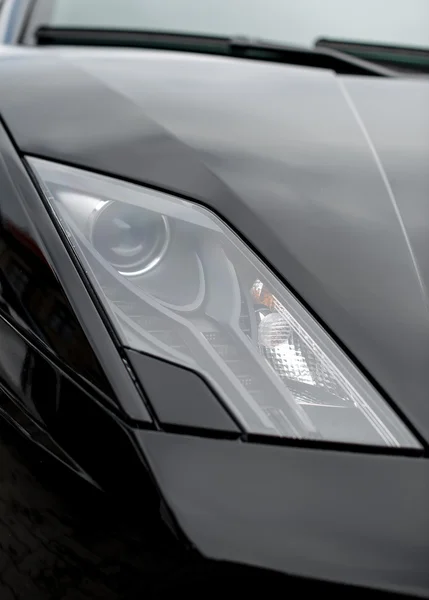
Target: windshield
(300,22)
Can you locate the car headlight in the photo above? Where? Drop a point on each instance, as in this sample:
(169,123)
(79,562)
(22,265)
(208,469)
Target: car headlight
(179,284)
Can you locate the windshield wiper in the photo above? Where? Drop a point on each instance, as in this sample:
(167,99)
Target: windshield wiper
(242,47)
(400,58)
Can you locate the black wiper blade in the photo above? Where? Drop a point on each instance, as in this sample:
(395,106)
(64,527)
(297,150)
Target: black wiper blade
(67,36)
(322,58)
(243,47)
(401,58)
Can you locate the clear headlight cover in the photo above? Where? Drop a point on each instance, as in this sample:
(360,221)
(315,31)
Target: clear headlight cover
(179,284)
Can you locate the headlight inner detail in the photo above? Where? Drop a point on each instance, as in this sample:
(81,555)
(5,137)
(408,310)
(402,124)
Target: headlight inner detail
(179,284)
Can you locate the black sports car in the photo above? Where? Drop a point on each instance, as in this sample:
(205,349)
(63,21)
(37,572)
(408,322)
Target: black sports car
(213,309)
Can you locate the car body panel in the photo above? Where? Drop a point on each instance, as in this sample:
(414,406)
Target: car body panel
(284,156)
(354,518)
(48,312)
(294,161)
(62,538)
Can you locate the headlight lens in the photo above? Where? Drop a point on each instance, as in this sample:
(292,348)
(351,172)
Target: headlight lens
(179,284)
(131,241)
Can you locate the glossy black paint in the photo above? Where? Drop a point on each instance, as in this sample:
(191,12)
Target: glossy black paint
(285,156)
(57,414)
(31,297)
(30,390)
(82,525)
(331,515)
(282,155)
(35,301)
(48,369)
(62,539)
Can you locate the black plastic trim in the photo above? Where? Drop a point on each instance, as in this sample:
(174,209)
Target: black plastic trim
(180,397)
(242,47)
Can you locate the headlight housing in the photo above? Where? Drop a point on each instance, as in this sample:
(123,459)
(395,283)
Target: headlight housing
(179,284)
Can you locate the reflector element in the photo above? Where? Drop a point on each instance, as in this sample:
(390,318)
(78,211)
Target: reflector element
(178,284)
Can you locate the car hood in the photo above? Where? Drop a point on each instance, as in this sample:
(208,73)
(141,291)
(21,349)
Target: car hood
(325,176)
